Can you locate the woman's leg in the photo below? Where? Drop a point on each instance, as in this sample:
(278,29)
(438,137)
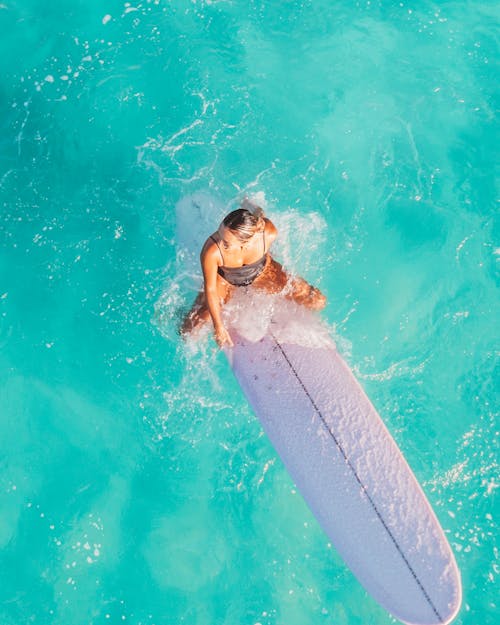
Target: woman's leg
(199,313)
(275,279)
(305,294)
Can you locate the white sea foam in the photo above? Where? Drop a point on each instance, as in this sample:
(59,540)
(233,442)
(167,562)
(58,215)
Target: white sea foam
(254,313)
(301,236)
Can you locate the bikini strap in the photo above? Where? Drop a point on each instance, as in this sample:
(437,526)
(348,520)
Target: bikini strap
(220,251)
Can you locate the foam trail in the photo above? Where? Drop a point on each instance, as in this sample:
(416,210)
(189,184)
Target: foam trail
(253,313)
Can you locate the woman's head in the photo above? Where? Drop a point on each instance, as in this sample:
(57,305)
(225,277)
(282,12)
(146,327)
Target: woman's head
(244,223)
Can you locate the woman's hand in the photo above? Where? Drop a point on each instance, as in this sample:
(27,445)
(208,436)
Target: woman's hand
(222,337)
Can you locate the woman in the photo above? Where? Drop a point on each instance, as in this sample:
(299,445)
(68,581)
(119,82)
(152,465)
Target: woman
(238,255)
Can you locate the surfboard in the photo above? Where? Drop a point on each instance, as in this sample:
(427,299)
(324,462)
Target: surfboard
(341,456)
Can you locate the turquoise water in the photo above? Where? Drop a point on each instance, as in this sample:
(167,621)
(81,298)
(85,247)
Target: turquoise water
(136,485)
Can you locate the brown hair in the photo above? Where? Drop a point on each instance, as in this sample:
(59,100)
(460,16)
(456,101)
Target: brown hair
(244,223)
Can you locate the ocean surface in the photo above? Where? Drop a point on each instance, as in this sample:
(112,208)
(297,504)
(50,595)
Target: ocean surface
(136,485)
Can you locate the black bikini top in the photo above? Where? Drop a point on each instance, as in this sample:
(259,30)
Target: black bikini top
(246,274)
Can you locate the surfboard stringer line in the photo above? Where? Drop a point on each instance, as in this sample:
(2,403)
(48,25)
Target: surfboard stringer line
(358,479)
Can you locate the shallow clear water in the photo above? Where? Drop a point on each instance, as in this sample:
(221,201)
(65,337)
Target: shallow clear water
(136,484)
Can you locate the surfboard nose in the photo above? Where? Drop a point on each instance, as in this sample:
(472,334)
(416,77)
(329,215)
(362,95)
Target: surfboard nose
(442,610)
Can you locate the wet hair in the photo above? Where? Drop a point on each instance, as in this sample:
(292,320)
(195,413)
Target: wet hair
(244,223)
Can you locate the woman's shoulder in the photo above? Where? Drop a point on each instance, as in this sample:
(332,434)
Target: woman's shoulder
(270,229)
(210,248)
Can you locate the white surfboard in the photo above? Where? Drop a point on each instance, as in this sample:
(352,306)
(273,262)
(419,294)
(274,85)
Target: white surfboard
(341,456)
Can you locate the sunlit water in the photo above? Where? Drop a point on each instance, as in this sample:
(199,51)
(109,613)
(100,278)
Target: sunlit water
(136,484)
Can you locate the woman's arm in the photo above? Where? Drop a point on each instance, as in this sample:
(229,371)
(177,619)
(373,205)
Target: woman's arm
(209,265)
